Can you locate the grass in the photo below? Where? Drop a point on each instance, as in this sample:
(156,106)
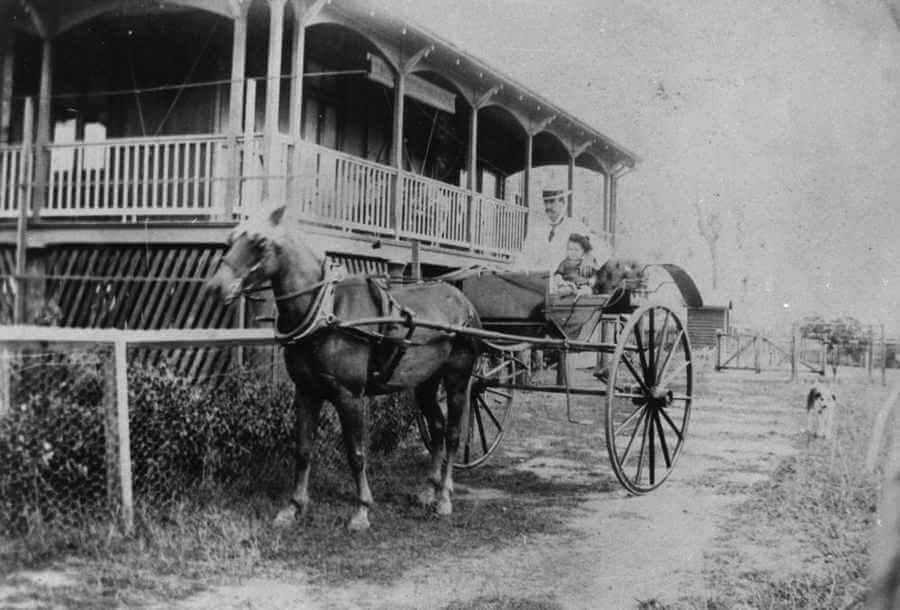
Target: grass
(218,534)
(507,603)
(824,501)
(820,499)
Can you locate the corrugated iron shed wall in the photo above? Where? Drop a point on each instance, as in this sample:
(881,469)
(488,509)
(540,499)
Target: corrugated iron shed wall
(704,322)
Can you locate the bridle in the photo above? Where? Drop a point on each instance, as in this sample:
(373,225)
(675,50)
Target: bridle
(321,310)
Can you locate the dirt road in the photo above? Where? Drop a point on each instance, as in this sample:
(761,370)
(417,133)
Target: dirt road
(620,551)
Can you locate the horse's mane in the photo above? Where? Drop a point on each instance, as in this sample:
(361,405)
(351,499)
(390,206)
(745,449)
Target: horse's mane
(262,223)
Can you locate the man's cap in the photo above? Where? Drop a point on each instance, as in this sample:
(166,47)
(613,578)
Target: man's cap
(554,194)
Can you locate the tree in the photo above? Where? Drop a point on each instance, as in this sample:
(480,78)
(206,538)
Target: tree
(709,222)
(844,334)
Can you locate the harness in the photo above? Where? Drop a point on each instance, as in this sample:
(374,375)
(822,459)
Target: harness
(386,350)
(321,311)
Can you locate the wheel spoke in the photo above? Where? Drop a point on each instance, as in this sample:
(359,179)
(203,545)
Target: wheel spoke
(505,395)
(640,464)
(651,446)
(490,413)
(650,336)
(662,340)
(672,424)
(631,440)
(680,368)
(630,366)
(665,364)
(628,420)
(638,341)
(484,445)
(662,440)
(632,396)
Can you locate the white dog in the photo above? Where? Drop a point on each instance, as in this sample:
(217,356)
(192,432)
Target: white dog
(821,405)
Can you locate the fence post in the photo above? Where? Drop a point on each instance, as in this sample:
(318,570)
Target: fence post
(111,429)
(883,358)
(718,350)
(124,434)
(870,353)
(795,347)
(5,379)
(756,353)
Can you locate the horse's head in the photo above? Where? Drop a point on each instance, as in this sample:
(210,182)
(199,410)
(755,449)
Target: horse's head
(250,258)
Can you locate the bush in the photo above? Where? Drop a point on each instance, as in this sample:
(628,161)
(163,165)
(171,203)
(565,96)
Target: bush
(237,431)
(52,441)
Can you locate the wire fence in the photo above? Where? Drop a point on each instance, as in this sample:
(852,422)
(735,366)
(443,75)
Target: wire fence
(88,430)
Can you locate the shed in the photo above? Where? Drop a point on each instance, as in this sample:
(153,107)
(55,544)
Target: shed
(704,322)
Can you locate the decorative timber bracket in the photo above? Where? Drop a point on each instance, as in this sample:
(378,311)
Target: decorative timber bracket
(37,22)
(576,150)
(539,126)
(308,13)
(410,64)
(480,101)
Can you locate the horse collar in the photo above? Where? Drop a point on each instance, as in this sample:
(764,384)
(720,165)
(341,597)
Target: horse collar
(321,310)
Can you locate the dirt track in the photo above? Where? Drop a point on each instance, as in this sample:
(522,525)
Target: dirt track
(621,550)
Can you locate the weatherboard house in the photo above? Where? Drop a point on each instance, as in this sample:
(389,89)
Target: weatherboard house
(134,134)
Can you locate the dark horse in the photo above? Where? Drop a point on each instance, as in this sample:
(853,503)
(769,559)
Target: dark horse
(328,361)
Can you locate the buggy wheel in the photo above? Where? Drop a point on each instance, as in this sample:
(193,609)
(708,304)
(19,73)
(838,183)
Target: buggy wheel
(648,403)
(489,406)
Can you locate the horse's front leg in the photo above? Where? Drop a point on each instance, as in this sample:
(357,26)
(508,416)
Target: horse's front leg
(457,386)
(352,413)
(306,413)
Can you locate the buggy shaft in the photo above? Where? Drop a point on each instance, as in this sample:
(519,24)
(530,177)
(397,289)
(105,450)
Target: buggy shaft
(564,344)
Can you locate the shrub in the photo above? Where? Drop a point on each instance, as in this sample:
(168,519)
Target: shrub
(237,431)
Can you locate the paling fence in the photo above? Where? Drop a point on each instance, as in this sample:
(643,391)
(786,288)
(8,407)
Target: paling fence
(89,430)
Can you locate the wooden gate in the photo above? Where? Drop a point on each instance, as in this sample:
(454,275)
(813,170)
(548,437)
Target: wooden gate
(749,351)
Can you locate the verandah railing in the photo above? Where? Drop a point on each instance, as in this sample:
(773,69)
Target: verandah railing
(13,182)
(188,176)
(175,175)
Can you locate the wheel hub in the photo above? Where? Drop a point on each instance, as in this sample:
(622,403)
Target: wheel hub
(660,397)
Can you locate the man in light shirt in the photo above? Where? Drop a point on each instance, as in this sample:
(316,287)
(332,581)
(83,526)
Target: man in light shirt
(544,248)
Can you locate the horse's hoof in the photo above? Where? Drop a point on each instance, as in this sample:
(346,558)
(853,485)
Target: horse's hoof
(426,497)
(444,507)
(358,523)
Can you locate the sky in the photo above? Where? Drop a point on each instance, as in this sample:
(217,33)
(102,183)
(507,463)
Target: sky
(780,117)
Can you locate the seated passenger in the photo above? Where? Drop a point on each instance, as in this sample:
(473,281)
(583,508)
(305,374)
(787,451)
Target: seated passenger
(571,276)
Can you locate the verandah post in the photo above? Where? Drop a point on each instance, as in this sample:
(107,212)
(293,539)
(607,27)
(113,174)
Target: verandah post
(273,185)
(236,112)
(472,176)
(295,108)
(24,202)
(7,50)
(42,152)
(397,151)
